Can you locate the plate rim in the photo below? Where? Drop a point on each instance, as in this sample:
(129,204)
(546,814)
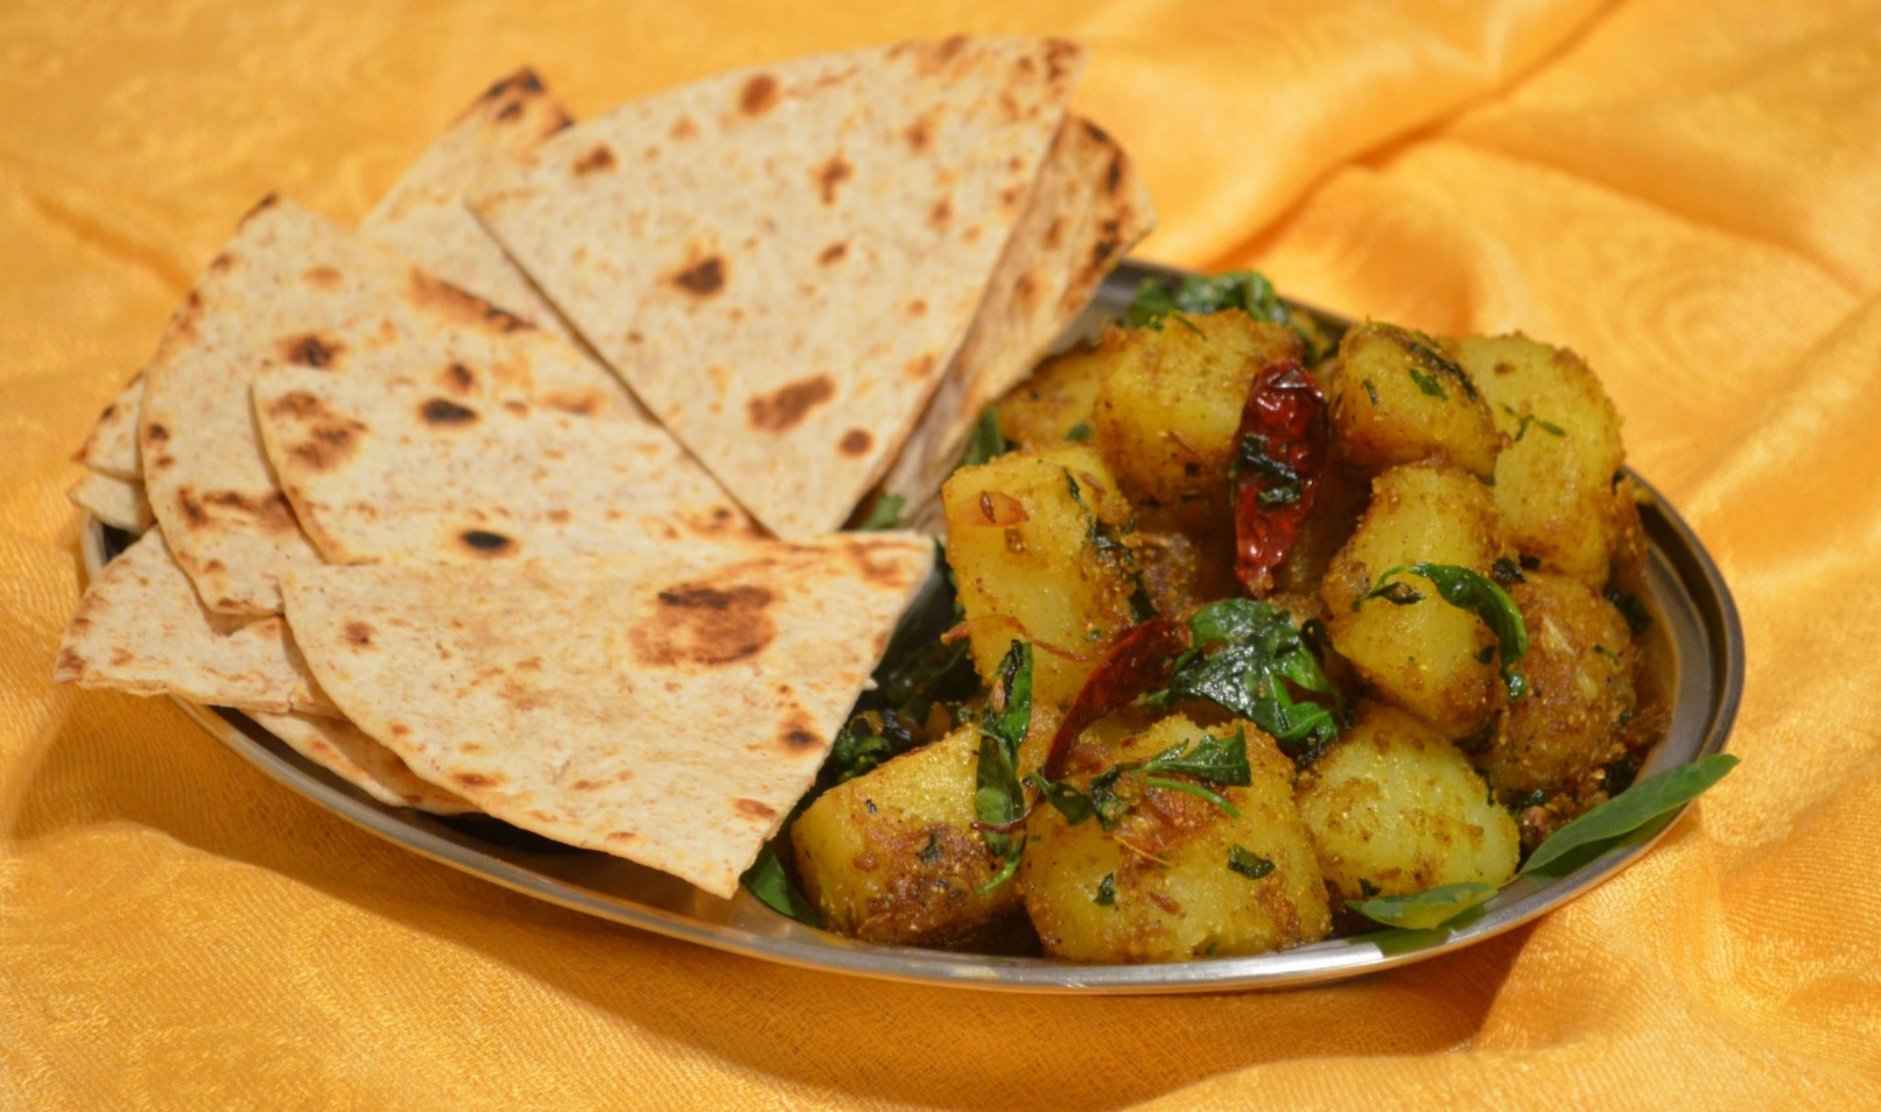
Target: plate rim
(1690,566)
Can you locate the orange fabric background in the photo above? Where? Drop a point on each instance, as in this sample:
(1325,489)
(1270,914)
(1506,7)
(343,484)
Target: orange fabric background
(1690,195)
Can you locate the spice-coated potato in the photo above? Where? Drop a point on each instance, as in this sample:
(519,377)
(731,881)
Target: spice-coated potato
(1555,480)
(1397,398)
(1394,808)
(1160,885)
(1431,658)
(891,855)
(1053,407)
(1171,403)
(1579,668)
(1029,565)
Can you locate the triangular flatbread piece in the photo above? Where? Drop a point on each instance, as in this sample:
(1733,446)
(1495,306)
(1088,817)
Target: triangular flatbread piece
(339,747)
(423,218)
(388,462)
(111,449)
(1087,210)
(116,502)
(782,261)
(670,709)
(293,289)
(140,628)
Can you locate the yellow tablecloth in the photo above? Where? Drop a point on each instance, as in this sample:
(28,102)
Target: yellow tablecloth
(1688,194)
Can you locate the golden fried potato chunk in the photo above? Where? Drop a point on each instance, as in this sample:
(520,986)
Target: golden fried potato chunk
(1397,398)
(1579,668)
(1555,480)
(1053,407)
(1027,539)
(1177,878)
(1416,650)
(1394,808)
(891,856)
(1171,403)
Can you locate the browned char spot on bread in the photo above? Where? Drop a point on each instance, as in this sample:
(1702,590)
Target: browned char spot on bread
(758,94)
(785,407)
(830,175)
(483,542)
(310,350)
(601,157)
(703,278)
(445,413)
(703,624)
(751,808)
(269,510)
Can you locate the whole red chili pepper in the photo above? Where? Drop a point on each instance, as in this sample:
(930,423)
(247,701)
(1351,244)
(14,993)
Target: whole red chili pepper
(1139,661)
(1280,452)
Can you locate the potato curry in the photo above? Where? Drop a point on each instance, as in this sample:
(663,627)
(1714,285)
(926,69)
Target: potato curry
(1254,622)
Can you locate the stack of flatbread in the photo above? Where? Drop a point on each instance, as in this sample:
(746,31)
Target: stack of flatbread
(523,498)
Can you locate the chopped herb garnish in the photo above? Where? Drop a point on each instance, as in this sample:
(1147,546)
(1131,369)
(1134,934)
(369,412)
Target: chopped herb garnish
(1260,662)
(1527,419)
(1218,760)
(998,798)
(1371,391)
(857,749)
(1397,593)
(1631,809)
(1080,432)
(1282,485)
(1106,891)
(1073,804)
(885,514)
(987,441)
(1427,384)
(1219,802)
(770,882)
(1210,759)
(1434,363)
(1250,865)
(1472,591)
(1245,290)
(1104,540)
(1424,910)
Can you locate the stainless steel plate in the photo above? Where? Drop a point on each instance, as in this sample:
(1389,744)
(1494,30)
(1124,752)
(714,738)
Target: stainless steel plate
(1697,620)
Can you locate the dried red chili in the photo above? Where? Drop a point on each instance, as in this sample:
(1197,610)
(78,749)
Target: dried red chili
(1280,452)
(1139,661)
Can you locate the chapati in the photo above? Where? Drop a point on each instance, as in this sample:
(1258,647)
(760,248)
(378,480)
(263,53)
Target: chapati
(669,709)
(782,261)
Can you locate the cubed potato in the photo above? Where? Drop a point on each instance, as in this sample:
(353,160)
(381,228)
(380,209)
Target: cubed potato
(1053,407)
(1171,403)
(1394,808)
(1555,480)
(1160,887)
(1397,398)
(1434,659)
(891,856)
(1029,567)
(1579,668)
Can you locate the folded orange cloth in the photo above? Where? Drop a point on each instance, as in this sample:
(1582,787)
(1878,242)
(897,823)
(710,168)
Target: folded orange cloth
(1688,195)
